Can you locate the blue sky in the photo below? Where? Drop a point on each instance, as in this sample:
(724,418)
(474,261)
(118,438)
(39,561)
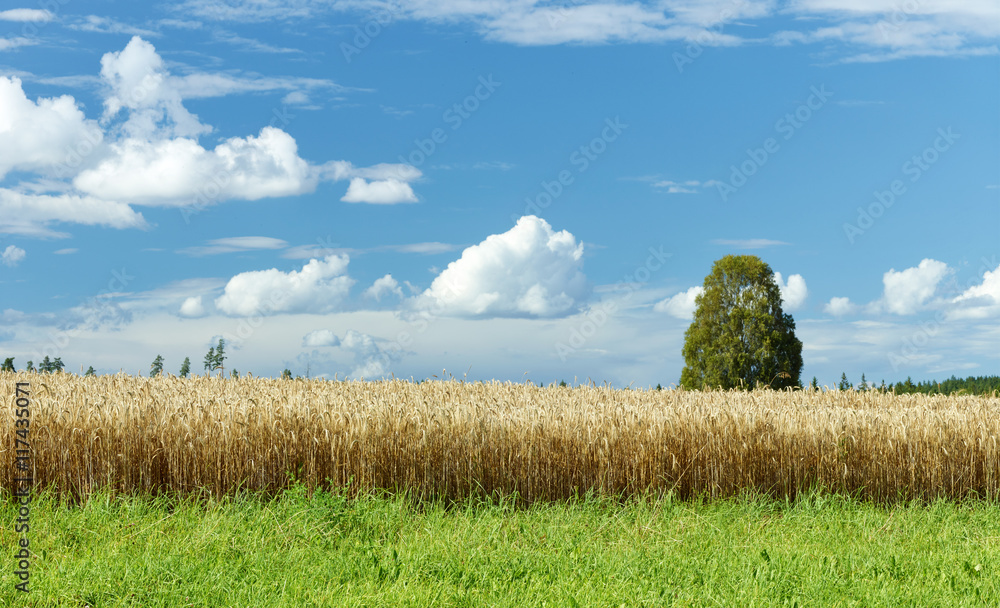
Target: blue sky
(510,190)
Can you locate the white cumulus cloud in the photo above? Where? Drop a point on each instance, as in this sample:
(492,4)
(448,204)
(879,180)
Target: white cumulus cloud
(980,301)
(839,307)
(319,287)
(178,172)
(384,286)
(320,337)
(381,192)
(145,149)
(38,135)
(370,359)
(12,255)
(140,83)
(681,305)
(192,307)
(793,293)
(528,271)
(906,291)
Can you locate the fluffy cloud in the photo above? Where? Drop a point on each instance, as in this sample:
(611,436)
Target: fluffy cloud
(12,255)
(979,301)
(35,135)
(140,83)
(906,291)
(320,337)
(192,307)
(528,271)
(839,307)
(381,184)
(382,287)
(177,172)
(31,214)
(160,161)
(384,192)
(319,287)
(681,305)
(793,293)
(370,359)
(147,152)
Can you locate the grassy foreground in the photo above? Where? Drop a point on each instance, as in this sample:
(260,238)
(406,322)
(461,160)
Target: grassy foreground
(328,550)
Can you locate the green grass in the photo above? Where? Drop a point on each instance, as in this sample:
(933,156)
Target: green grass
(331,551)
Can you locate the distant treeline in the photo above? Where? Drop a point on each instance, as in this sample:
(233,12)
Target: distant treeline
(973,385)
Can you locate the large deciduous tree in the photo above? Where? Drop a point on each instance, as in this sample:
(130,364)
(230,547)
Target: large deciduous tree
(740,337)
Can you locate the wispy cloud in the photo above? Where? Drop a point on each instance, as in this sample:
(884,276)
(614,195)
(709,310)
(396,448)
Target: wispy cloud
(26,15)
(302,252)
(879,30)
(398,113)
(106,25)
(671,186)
(494,165)
(748,243)
(234,244)
(250,44)
(7,44)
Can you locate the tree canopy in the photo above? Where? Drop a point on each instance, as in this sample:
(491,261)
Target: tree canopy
(740,337)
(157,367)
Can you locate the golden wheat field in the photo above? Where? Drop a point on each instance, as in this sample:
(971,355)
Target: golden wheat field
(449,439)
